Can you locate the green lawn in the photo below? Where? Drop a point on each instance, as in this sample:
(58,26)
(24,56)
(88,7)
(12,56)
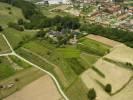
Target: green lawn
(5,17)
(16,37)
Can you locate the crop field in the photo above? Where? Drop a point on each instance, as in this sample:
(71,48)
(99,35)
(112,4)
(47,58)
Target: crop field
(125,94)
(4,48)
(77,91)
(39,89)
(90,82)
(102,73)
(103,40)
(9,13)
(16,37)
(16,72)
(92,46)
(67,63)
(121,54)
(108,70)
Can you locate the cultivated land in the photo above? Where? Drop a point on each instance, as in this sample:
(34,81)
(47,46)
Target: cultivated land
(111,69)
(121,54)
(37,90)
(17,73)
(91,63)
(104,40)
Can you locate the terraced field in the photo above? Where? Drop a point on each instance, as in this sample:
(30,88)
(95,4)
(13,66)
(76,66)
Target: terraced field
(115,68)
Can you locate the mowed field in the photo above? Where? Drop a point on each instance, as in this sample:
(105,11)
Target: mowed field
(108,69)
(112,69)
(4,48)
(121,54)
(9,13)
(40,89)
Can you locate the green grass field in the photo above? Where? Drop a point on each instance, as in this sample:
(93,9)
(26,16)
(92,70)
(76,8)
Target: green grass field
(77,90)
(46,11)
(4,48)
(69,63)
(8,75)
(93,47)
(9,13)
(6,69)
(16,37)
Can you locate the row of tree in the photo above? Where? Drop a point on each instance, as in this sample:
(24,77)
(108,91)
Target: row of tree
(123,36)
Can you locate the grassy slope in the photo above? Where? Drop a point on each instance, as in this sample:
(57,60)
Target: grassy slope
(5,17)
(6,69)
(15,37)
(3,45)
(93,47)
(69,60)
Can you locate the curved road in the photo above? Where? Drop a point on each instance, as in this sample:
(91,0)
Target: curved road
(51,75)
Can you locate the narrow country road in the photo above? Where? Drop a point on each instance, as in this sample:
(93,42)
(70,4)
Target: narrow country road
(23,59)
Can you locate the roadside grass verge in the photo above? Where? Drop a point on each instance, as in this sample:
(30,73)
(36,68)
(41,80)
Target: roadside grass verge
(4,48)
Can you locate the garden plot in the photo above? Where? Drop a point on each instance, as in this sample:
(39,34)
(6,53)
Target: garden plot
(121,54)
(114,75)
(4,48)
(103,40)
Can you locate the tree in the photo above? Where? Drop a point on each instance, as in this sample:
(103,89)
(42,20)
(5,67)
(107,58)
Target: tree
(108,88)
(20,22)
(92,94)
(1,29)
(41,33)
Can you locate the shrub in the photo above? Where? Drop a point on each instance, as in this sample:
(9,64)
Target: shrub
(20,22)
(1,29)
(16,26)
(108,88)
(92,94)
